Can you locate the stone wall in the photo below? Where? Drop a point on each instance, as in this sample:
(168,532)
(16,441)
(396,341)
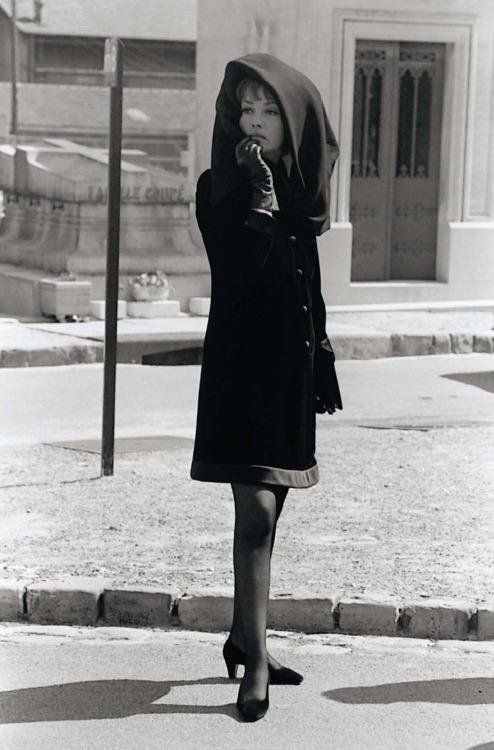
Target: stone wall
(56,218)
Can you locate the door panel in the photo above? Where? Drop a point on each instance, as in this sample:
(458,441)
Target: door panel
(370,161)
(395,159)
(416,172)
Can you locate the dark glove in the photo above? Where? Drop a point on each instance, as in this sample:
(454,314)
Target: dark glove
(327,396)
(248,155)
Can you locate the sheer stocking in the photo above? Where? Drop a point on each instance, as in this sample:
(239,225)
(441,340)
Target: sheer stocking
(257,509)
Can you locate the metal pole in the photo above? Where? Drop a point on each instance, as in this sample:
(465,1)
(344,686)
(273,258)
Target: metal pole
(113,76)
(13,73)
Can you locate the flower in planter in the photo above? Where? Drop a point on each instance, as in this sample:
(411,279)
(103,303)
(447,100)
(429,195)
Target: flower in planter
(146,287)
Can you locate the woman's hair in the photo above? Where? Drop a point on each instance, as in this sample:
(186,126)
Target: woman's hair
(257,87)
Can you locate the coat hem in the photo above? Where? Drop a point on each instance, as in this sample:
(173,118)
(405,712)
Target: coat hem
(253,473)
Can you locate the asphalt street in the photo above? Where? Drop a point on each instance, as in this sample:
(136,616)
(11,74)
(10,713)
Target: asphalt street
(128,689)
(48,404)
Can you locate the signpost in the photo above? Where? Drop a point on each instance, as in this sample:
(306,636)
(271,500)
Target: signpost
(13,65)
(113,77)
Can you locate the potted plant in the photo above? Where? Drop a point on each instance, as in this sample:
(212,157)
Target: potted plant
(148,293)
(149,287)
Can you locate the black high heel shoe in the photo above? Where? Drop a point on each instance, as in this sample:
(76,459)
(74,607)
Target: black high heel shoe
(253,709)
(233,656)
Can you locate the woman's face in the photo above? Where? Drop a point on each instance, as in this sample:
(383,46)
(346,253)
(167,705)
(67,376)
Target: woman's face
(261,119)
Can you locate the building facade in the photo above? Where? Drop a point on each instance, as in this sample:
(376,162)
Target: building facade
(61,91)
(409,89)
(54,205)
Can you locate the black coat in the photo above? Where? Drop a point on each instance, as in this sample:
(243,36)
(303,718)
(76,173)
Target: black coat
(266,352)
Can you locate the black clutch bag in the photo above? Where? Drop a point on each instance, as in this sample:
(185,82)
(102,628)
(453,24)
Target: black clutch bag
(327,397)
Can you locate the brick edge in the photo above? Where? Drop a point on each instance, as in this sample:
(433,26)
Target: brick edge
(211,611)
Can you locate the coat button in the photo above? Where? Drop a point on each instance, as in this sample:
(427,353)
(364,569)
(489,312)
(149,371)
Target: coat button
(299,271)
(305,308)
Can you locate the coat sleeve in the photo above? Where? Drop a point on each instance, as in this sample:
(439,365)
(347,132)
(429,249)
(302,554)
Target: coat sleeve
(327,395)
(232,232)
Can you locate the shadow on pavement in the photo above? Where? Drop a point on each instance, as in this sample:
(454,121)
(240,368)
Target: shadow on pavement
(468,691)
(484,380)
(103,699)
(130,444)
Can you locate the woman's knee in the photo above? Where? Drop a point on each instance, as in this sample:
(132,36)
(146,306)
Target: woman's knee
(255,514)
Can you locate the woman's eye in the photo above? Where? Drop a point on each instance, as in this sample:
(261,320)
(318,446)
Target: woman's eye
(249,110)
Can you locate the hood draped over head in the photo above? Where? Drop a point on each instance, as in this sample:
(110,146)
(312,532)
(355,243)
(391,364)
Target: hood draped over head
(309,138)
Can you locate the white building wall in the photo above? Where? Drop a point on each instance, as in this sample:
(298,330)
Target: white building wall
(309,36)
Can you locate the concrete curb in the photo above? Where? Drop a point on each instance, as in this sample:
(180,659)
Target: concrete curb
(69,354)
(174,348)
(82,601)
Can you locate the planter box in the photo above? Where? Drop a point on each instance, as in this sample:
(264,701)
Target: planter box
(61,298)
(200,305)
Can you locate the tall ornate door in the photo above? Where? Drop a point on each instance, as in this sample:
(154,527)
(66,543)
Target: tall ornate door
(395,159)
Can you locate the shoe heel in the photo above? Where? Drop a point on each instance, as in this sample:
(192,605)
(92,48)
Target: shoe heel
(232,669)
(232,657)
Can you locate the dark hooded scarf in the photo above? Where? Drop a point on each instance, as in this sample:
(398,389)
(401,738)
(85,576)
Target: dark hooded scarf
(309,138)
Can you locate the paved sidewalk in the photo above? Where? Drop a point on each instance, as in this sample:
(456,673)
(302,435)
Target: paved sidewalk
(355,334)
(111,688)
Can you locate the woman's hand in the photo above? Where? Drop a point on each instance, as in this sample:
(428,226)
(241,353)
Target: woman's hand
(327,397)
(248,155)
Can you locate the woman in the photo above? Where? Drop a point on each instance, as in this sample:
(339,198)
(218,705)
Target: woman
(268,365)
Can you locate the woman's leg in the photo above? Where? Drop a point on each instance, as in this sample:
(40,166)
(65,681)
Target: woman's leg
(281,493)
(255,514)
(236,632)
